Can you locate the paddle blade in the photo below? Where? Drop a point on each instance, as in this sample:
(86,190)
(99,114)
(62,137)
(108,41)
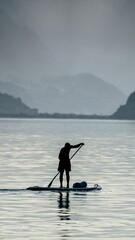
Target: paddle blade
(49,185)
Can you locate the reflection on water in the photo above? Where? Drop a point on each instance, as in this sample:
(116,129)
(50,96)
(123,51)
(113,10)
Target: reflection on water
(63,205)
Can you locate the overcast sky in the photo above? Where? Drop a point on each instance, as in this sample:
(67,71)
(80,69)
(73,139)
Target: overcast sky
(92,36)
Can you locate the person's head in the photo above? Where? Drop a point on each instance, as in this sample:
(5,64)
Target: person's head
(67,145)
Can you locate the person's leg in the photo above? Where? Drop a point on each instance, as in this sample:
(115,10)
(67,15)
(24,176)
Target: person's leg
(61,179)
(67,178)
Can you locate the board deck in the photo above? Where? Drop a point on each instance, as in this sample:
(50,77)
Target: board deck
(56,189)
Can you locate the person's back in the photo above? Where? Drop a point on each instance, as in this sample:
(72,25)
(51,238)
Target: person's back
(64,152)
(64,163)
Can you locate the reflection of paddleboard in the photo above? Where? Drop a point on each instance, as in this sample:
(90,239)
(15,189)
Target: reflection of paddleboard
(56,189)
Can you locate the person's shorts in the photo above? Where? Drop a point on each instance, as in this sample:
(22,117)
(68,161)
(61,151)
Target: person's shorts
(64,167)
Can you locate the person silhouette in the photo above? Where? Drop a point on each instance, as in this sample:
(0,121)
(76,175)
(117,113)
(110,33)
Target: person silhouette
(64,162)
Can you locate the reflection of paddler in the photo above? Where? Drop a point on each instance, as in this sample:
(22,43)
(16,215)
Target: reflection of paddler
(63,205)
(64,163)
(63,201)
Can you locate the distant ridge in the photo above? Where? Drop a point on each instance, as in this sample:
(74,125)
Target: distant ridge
(11,106)
(81,93)
(127,111)
(14,107)
(26,61)
(77,94)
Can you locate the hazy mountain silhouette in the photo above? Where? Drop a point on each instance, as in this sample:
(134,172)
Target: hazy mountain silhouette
(15,90)
(67,37)
(23,54)
(80,94)
(10,106)
(126,111)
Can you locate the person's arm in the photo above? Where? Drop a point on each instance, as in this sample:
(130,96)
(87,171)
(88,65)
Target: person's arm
(77,145)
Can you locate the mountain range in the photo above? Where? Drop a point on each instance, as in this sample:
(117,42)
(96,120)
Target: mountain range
(80,94)
(25,65)
(14,107)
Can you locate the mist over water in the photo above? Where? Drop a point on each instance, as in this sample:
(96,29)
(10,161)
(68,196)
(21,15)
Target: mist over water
(29,156)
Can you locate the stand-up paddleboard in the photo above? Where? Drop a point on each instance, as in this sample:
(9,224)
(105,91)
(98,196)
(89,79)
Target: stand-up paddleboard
(56,189)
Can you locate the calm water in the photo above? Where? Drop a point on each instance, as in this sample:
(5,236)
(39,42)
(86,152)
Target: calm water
(28,157)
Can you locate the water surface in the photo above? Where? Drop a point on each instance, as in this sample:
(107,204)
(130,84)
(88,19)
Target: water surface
(29,156)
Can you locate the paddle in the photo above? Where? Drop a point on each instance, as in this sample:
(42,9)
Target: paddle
(49,185)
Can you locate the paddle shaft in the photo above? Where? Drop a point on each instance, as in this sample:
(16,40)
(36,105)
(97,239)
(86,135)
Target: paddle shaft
(49,185)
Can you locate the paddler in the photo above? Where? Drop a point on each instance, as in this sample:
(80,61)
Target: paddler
(64,162)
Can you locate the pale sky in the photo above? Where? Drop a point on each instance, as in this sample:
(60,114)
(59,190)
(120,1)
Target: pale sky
(84,36)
